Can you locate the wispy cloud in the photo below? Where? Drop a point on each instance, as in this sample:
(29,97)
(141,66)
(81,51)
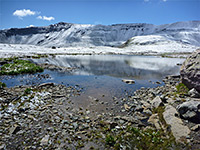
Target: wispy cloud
(23,13)
(45,18)
(164,0)
(30,26)
(146,0)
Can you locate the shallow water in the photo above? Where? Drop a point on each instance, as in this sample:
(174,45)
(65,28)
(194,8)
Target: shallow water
(101,75)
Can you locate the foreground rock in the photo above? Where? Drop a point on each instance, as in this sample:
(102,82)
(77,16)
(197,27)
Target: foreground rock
(156,102)
(179,131)
(190,71)
(190,110)
(45,116)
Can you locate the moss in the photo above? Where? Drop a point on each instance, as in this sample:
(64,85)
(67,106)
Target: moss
(138,138)
(18,66)
(160,111)
(182,89)
(39,56)
(27,91)
(110,140)
(2,85)
(134,138)
(9,59)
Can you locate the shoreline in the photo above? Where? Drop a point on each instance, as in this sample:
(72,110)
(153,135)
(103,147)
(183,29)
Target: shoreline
(27,113)
(50,107)
(46,117)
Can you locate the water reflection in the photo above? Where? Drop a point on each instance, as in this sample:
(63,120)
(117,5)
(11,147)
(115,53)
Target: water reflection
(121,66)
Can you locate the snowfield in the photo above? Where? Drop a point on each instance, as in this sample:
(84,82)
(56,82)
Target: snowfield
(8,50)
(180,37)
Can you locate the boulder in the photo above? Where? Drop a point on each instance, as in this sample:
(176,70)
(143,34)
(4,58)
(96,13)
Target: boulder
(190,71)
(194,93)
(156,102)
(190,110)
(179,131)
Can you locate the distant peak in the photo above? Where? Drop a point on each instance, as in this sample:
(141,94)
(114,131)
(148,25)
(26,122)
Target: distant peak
(61,24)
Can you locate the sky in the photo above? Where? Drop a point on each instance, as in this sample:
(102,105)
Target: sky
(25,13)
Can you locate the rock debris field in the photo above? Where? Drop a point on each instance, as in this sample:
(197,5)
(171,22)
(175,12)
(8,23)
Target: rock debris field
(45,117)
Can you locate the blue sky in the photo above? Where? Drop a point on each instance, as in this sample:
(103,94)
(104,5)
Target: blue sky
(23,13)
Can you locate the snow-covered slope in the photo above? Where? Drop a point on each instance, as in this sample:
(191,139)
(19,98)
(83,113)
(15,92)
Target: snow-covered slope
(67,34)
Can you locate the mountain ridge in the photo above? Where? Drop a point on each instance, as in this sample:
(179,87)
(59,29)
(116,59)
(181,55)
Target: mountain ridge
(68,34)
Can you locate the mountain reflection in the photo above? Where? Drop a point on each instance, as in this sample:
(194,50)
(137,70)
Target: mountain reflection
(121,66)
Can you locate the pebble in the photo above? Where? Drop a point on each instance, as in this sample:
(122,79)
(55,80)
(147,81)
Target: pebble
(45,140)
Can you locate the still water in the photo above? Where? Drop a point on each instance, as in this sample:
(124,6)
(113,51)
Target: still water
(102,74)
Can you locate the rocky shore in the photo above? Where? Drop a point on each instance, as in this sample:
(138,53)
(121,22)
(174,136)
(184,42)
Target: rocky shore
(45,117)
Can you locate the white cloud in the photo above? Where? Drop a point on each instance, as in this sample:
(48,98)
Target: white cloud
(45,18)
(164,0)
(23,12)
(146,0)
(39,17)
(30,26)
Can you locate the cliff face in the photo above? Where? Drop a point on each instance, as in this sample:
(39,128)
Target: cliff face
(67,34)
(190,71)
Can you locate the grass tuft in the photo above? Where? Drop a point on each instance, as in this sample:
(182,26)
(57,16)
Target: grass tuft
(18,66)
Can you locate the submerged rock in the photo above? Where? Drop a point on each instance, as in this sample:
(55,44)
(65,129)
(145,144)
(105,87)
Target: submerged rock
(128,81)
(190,71)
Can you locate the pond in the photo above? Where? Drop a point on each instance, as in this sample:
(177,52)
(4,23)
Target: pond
(101,75)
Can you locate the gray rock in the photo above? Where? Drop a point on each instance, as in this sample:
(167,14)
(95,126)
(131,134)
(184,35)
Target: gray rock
(128,81)
(194,93)
(179,131)
(154,119)
(45,140)
(196,127)
(14,129)
(190,71)
(156,102)
(75,125)
(189,110)
(2,146)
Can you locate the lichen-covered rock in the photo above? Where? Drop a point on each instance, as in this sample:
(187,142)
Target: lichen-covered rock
(190,71)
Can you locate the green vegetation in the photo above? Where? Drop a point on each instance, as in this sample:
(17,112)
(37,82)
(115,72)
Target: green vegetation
(139,138)
(39,56)
(2,85)
(18,66)
(110,140)
(9,59)
(147,139)
(27,91)
(160,111)
(182,89)
(136,138)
